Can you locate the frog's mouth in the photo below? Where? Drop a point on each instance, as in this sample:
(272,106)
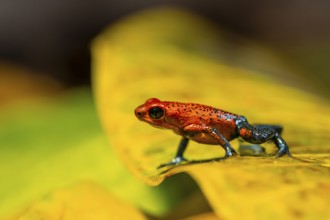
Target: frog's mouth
(157,126)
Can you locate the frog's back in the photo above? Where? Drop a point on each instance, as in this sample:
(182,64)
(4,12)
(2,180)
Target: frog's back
(192,113)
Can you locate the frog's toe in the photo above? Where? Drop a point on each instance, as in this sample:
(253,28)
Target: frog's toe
(283,151)
(174,161)
(230,153)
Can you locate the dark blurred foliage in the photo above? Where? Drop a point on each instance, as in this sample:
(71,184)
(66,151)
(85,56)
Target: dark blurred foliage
(53,37)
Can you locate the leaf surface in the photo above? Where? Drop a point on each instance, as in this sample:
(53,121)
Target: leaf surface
(84,201)
(176,56)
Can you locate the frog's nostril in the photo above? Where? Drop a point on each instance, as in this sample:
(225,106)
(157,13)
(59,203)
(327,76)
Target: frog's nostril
(138,113)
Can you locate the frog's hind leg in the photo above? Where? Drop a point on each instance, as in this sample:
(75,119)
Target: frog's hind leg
(258,134)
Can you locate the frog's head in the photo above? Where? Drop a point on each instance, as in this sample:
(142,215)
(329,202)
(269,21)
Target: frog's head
(153,112)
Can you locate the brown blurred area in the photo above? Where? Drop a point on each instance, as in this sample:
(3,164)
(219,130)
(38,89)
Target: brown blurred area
(53,37)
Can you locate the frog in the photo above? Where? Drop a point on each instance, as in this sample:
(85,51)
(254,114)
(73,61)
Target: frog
(207,125)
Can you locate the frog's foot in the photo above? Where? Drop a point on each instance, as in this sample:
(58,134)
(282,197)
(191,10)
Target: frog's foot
(230,152)
(175,161)
(284,150)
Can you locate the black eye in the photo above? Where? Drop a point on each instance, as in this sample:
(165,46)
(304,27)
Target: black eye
(156,112)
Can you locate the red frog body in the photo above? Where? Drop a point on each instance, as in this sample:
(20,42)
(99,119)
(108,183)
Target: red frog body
(207,125)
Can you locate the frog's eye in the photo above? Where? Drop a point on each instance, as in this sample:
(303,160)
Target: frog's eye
(156,112)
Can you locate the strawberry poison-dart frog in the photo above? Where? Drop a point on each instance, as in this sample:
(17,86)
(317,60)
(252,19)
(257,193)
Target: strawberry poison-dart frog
(207,125)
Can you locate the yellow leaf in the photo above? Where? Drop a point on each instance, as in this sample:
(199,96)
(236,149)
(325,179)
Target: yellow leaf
(85,201)
(262,188)
(172,55)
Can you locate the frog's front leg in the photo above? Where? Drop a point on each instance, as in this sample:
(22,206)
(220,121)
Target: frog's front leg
(259,134)
(179,154)
(190,131)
